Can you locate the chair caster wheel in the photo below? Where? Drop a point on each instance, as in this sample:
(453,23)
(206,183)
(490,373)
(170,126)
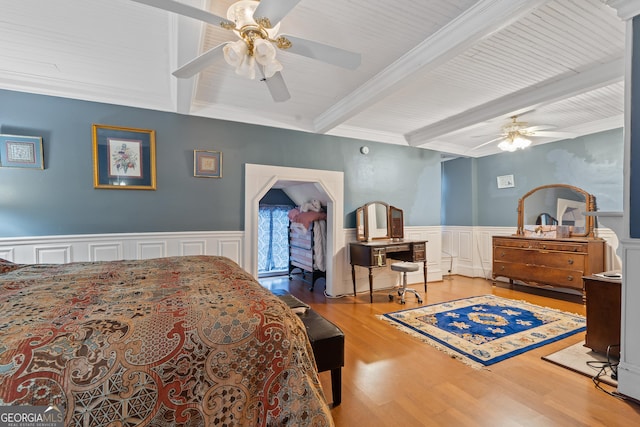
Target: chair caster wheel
(390,297)
(419,301)
(402,302)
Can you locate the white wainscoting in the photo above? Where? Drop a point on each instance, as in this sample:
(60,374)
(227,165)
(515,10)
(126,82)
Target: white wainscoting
(465,251)
(109,247)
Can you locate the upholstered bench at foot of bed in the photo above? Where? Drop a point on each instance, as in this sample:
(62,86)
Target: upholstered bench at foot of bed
(327,342)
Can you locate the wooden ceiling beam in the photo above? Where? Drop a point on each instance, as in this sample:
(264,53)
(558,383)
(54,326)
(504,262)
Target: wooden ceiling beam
(523,100)
(479,21)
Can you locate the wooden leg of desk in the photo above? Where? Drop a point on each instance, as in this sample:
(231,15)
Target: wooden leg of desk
(353,278)
(424,270)
(370,285)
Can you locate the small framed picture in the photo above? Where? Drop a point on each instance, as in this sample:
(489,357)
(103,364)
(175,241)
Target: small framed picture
(207,164)
(21,152)
(506,181)
(124,158)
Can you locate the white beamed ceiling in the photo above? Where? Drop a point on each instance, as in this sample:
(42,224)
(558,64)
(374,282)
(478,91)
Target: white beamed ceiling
(444,75)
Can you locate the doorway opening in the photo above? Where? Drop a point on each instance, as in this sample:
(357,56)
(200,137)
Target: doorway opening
(328,187)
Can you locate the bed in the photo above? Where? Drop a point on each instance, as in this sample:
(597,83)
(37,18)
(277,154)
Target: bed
(179,341)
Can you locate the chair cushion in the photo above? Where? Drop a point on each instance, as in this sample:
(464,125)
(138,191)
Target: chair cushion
(405,266)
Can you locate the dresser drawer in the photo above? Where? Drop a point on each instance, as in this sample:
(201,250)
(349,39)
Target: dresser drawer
(534,273)
(568,260)
(548,245)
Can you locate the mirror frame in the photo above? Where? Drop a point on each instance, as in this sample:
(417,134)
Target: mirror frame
(590,205)
(395,222)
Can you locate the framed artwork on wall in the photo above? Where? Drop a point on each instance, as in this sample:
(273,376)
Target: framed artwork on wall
(207,164)
(124,158)
(21,152)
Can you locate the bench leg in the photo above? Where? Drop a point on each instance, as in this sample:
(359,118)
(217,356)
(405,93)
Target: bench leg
(336,386)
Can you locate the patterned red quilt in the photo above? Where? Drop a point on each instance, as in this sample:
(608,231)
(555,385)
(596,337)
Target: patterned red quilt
(182,341)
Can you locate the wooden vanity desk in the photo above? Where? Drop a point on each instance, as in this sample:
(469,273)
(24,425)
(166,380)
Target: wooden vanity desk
(375,254)
(380,235)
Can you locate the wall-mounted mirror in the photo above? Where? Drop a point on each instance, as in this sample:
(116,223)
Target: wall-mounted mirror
(557,204)
(378,220)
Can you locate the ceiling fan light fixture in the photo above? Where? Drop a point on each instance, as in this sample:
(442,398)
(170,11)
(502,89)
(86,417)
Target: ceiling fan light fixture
(521,142)
(506,145)
(247,67)
(265,54)
(241,13)
(514,141)
(235,52)
(237,55)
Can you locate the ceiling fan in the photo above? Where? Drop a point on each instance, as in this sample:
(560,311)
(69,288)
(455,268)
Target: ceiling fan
(256,24)
(517,135)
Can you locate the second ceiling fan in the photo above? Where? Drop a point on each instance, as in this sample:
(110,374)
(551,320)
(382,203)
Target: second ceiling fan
(517,135)
(256,24)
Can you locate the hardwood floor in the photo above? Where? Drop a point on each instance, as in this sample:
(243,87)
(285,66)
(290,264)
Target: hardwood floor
(393,379)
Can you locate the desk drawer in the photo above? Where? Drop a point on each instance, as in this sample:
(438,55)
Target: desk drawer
(567,260)
(419,252)
(539,274)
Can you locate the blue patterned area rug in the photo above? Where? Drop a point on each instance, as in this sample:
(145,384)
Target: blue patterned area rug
(484,330)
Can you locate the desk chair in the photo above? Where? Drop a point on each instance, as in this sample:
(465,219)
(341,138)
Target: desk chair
(404,268)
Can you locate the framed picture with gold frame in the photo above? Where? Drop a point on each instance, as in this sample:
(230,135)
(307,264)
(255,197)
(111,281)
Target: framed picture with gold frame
(124,158)
(207,164)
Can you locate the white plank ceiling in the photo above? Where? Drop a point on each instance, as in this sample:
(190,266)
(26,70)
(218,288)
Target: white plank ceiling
(444,75)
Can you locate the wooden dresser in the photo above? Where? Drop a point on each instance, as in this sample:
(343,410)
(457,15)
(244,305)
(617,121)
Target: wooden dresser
(539,262)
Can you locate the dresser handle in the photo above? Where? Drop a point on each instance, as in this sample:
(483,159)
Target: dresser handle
(544,246)
(502,254)
(570,261)
(570,278)
(502,267)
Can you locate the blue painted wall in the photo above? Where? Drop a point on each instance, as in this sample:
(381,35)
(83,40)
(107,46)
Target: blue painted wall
(593,163)
(61,199)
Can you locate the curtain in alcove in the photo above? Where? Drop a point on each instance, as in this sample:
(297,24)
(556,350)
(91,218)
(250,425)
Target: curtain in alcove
(273,239)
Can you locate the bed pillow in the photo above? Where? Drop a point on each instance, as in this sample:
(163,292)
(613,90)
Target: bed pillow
(7,266)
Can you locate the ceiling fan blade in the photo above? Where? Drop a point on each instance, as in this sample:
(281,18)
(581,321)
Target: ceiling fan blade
(568,135)
(322,52)
(274,10)
(538,128)
(276,86)
(186,10)
(487,143)
(199,63)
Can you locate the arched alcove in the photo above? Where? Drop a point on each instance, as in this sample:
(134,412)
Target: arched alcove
(261,178)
